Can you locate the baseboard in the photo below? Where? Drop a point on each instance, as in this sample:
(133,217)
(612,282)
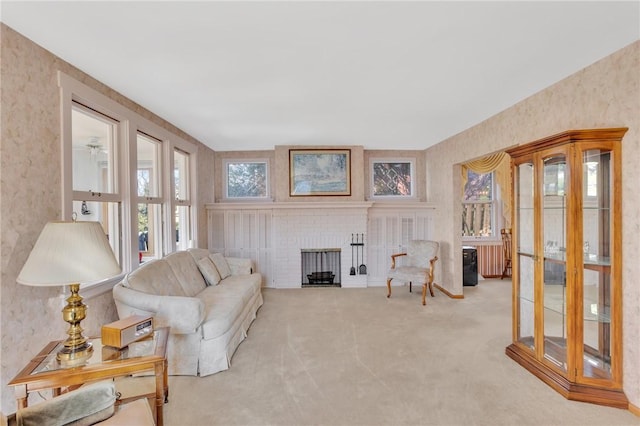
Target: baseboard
(451,295)
(634,409)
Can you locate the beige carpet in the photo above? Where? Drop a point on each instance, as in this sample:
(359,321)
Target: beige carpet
(332,356)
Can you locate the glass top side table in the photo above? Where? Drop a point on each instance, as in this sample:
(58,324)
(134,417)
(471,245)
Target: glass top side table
(44,371)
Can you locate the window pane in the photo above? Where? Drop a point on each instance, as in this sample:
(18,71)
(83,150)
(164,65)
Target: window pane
(108,214)
(148,167)
(247,180)
(93,151)
(181,175)
(150,231)
(392,179)
(478,187)
(183,227)
(476,219)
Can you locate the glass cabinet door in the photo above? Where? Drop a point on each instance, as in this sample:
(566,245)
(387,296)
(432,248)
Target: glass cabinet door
(597,245)
(554,224)
(525,254)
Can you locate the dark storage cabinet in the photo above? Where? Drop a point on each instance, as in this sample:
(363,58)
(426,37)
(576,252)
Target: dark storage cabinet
(469,266)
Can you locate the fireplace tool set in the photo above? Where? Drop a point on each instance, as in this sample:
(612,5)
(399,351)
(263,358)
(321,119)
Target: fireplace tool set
(358,243)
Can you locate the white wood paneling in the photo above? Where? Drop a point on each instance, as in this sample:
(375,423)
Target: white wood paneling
(390,231)
(272,235)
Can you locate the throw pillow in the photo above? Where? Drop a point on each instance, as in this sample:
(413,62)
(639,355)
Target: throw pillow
(221,264)
(208,271)
(83,407)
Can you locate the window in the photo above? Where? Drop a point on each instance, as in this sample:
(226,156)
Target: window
(392,178)
(247,179)
(478,212)
(118,169)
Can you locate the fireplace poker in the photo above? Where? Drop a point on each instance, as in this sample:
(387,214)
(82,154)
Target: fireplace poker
(353,268)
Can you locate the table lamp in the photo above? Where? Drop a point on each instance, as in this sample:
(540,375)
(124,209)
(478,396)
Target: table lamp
(71,253)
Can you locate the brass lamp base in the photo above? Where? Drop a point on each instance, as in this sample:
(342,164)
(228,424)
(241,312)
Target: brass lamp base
(76,356)
(77,349)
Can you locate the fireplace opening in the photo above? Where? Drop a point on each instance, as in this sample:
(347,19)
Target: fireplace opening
(321,267)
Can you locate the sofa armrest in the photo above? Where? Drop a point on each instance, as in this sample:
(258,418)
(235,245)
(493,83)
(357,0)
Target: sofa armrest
(240,266)
(183,314)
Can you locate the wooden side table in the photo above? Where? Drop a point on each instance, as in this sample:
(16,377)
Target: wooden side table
(44,371)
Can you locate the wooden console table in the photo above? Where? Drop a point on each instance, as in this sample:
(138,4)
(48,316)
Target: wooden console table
(44,371)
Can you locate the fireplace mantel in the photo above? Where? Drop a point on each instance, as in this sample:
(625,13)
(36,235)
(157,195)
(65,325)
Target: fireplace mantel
(289,205)
(332,205)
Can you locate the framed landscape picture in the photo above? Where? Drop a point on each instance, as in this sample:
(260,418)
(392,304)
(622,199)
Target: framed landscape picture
(319,172)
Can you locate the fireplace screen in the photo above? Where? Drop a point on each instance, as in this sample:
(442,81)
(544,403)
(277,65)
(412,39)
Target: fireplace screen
(320,267)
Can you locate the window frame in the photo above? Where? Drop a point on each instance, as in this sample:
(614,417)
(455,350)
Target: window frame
(175,202)
(496,216)
(225,181)
(109,202)
(158,199)
(414,181)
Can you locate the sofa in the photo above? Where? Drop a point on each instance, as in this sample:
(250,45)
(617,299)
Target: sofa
(207,299)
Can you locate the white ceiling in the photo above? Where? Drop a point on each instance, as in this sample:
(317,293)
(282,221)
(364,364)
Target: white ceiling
(385,75)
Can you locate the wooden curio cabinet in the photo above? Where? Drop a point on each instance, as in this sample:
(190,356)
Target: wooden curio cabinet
(567,260)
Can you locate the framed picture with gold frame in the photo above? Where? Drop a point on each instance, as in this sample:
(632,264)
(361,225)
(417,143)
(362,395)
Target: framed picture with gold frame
(319,172)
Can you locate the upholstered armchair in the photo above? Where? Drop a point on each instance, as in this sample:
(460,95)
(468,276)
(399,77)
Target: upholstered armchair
(417,266)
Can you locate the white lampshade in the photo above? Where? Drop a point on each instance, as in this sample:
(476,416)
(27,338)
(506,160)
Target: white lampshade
(69,253)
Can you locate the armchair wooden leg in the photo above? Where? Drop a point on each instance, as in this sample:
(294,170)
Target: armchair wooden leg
(431,289)
(424,294)
(388,287)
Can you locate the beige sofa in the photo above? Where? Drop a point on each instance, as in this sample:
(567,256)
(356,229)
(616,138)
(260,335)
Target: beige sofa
(208,319)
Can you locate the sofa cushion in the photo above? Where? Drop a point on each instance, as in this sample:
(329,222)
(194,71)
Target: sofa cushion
(186,271)
(221,264)
(209,271)
(155,277)
(225,302)
(243,286)
(222,308)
